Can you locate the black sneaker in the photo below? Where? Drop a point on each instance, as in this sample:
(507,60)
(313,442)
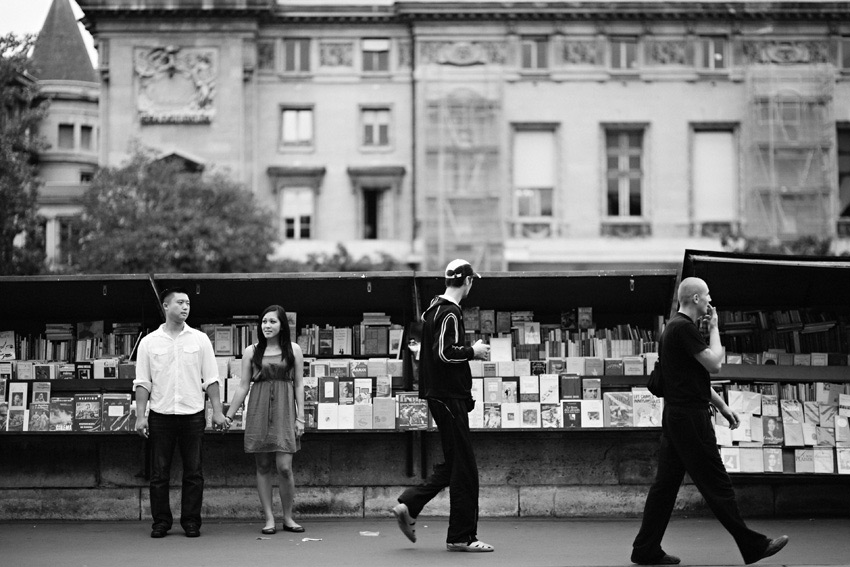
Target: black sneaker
(192,531)
(159,531)
(665,559)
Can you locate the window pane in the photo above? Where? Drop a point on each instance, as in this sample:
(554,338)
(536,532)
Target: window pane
(542,50)
(305,227)
(845,54)
(616,55)
(524,202)
(304,52)
(383,135)
(546,208)
(305,126)
(527,53)
(613,163)
(719,54)
(634,163)
(613,197)
(290,227)
(635,139)
(368,135)
(86,137)
(265,55)
(634,197)
(611,140)
(291,48)
(66,136)
(631,54)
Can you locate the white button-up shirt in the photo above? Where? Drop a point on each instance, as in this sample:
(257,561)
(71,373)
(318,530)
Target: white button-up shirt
(176,372)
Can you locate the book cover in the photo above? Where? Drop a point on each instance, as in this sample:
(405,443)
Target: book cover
(811,412)
(843,458)
(510,390)
(575,365)
(731,457)
(25,370)
(842,431)
(743,433)
(531,333)
(487,320)
(633,366)
(116,412)
(3,382)
(619,409)
(383,413)
(16,419)
(327,416)
(345,417)
(571,414)
(87,412)
(751,402)
(555,365)
(569,320)
(6,370)
(362,416)
(339,368)
(824,436)
(18,395)
(472,318)
(311,389)
(570,387)
(412,411)
(7,345)
(328,390)
(503,322)
(647,408)
(828,413)
(772,459)
(363,392)
(376,340)
(501,349)
(591,388)
(477,390)
(529,389)
(538,367)
(39,416)
(506,368)
(752,459)
(791,411)
(492,390)
(772,430)
(4,415)
(492,416)
(476,416)
(723,434)
(489,369)
(105,368)
(292,321)
(41,392)
(358,369)
(310,417)
(594,366)
(804,460)
(511,415)
(341,340)
(396,339)
(530,414)
(585,317)
(549,389)
(613,366)
(377,367)
(591,413)
(346,392)
(325,345)
(383,386)
(222,340)
(551,415)
(844,405)
(44,371)
(521,367)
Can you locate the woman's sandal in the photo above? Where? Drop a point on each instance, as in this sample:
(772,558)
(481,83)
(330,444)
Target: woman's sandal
(270,531)
(294,529)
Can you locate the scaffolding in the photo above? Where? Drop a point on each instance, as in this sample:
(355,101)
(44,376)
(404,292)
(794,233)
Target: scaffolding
(790,183)
(463,178)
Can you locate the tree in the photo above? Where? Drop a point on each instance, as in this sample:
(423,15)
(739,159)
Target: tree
(21,235)
(153,216)
(340,261)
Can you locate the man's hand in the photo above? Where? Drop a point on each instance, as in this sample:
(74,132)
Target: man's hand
(482,349)
(142,426)
(218,420)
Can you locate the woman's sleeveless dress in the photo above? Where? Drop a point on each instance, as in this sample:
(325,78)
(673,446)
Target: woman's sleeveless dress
(270,425)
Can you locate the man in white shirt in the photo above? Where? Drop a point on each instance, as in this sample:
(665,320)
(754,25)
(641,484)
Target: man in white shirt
(175,366)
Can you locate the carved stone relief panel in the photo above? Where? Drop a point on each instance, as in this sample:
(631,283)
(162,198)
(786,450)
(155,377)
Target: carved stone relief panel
(786,52)
(336,54)
(176,85)
(667,52)
(463,53)
(582,52)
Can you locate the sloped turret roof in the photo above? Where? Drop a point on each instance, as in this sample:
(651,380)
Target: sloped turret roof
(59,52)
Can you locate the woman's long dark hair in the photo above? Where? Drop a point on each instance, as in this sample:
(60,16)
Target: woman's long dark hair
(284,338)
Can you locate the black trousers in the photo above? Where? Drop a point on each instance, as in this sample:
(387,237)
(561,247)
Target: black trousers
(688,445)
(458,471)
(187,433)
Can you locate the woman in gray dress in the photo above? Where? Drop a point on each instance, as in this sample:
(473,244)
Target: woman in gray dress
(272,369)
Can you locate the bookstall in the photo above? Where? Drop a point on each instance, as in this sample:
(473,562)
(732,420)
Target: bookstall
(557,429)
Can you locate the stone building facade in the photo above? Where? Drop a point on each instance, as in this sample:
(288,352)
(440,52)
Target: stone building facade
(525,135)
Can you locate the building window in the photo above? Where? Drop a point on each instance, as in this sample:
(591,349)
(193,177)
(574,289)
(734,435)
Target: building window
(624,53)
(266,55)
(713,53)
(297,127)
(86,177)
(624,165)
(297,58)
(86,138)
(376,55)
(372,212)
(376,127)
(843,136)
(715,182)
(535,53)
(297,209)
(845,54)
(66,136)
(67,237)
(534,176)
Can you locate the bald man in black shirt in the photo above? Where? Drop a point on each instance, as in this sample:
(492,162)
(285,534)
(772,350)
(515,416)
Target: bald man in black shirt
(688,443)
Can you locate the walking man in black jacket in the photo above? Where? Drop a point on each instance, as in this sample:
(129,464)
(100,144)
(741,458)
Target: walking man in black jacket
(446,382)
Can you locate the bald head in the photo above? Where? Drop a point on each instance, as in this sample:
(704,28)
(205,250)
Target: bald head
(689,288)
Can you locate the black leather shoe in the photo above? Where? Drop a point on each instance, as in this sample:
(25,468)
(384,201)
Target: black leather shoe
(665,559)
(193,531)
(158,532)
(774,546)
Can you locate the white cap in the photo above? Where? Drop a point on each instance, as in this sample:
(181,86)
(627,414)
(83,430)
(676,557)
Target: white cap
(460,269)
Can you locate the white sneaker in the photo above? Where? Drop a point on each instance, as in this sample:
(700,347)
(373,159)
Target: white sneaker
(472,547)
(405,521)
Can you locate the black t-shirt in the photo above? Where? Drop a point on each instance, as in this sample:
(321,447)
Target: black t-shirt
(686,381)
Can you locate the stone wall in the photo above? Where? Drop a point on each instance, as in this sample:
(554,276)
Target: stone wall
(523,474)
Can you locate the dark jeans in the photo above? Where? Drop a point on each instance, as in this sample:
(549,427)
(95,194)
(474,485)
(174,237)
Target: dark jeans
(688,445)
(458,471)
(187,432)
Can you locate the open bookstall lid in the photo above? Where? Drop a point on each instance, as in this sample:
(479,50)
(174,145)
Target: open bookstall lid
(764,281)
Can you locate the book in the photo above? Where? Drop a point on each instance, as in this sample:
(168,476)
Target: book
(362,416)
(843,458)
(311,389)
(412,411)
(383,413)
(6,371)
(363,392)
(345,417)
(45,371)
(633,366)
(358,369)
(530,414)
(87,412)
(647,408)
(591,413)
(549,389)
(619,409)
(804,460)
(501,349)
(105,368)
(327,416)
(18,395)
(772,429)
(7,345)
(842,431)
(510,390)
(487,321)
(731,457)
(751,459)
(571,414)
(3,382)
(115,408)
(584,317)
(613,366)
(529,389)
(503,321)
(310,417)
(339,368)
(4,415)
(591,389)
(594,366)
(25,370)
(326,342)
(341,341)
(328,390)
(16,420)
(346,392)
(223,340)
(772,459)
(551,415)
(39,416)
(41,392)
(383,386)
(492,389)
(511,415)
(570,386)
(492,416)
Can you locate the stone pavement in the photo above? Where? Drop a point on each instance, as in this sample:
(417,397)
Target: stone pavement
(352,542)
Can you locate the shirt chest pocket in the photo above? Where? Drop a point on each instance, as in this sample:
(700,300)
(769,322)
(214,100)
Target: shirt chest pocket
(160,358)
(191,353)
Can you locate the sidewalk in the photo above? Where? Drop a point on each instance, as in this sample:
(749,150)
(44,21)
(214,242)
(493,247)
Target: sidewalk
(518,542)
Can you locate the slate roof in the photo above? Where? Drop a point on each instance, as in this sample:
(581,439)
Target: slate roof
(59,52)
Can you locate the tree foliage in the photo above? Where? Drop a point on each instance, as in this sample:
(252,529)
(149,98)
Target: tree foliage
(21,236)
(340,260)
(153,216)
